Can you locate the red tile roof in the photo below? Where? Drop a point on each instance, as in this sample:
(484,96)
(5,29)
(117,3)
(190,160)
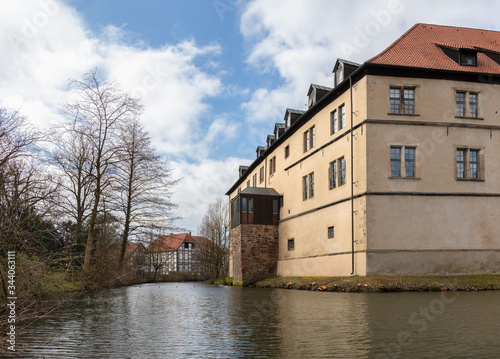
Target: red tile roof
(200,240)
(115,250)
(172,242)
(419,48)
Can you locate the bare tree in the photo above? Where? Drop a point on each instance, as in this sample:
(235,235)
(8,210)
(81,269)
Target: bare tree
(16,137)
(98,111)
(213,254)
(142,181)
(24,193)
(25,196)
(71,153)
(155,259)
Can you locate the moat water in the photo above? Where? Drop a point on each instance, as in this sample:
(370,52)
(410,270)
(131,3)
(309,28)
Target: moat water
(196,320)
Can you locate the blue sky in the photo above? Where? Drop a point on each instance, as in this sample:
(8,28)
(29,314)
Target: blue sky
(214,75)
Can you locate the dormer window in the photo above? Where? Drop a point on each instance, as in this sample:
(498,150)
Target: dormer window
(468,58)
(288,121)
(260,151)
(463,57)
(291,116)
(339,74)
(279,129)
(270,140)
(312,95)
(342,70)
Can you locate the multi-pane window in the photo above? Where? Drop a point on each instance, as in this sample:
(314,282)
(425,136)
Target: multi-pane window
(311,185)
(291,244)
(342,171)
(333,122)
(468,165)
(474,164)
(272,165)
(337,173)
(402,100)
(254,180)
(395,161)
(305,186)
(409,100)
(473,104)
(261,175)
(331,232)
(402,160)
(460,99)
(467,104)
(309,139)
(395,99)
(308,186)
(461,163)
(342,116)
(333,174)
(409,162)
(337,119)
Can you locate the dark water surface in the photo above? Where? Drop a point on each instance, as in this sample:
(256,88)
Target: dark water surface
(195,320)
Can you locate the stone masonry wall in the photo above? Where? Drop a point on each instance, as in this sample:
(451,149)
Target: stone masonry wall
(255,252)
(235,252)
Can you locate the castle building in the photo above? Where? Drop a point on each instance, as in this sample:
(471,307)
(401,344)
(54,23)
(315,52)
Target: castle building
(393,170)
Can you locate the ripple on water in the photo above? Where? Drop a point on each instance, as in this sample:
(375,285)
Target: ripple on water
(186,320)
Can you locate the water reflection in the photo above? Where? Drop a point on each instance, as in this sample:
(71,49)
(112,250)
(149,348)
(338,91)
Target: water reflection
(334,325)
(186,320)
(435,325)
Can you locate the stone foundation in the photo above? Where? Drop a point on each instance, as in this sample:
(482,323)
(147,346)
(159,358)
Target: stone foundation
(254,252)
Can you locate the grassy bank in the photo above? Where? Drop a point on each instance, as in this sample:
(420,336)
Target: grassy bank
(386,283)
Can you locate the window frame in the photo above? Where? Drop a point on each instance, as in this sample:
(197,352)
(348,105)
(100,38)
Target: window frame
(403,103)
(410,160)
(342,117)
(465,56)
(333,175)
(305,187)
(467,163)
(337,119)
(308,186)
(402,160)
(310,138)
(342,171)
(311,184)
(291,244)
(469,104)
(306,141)
(333,122)
(337,173)
(330,232)
(272,165)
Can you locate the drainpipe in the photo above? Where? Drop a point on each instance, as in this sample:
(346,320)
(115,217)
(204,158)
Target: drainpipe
(265,172)
(352,180)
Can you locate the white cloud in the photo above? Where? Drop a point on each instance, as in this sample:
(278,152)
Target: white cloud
(173,90)
(206,180)
(301,40)
(48,43)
